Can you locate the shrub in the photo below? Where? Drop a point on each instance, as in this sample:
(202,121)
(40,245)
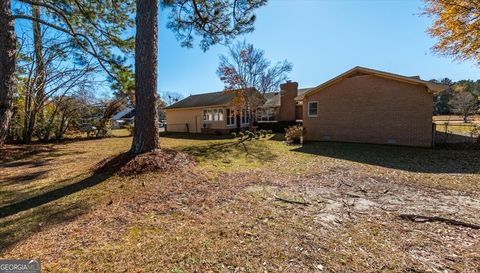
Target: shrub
(294,133)
(241,135)
(269,132)
(234,135)
(251,135)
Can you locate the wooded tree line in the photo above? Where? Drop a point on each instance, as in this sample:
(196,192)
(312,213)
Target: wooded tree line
(462,98)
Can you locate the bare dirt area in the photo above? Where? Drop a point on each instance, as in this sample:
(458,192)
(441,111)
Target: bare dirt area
(278,209)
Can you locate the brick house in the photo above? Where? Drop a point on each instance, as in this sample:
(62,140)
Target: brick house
(213,112)
(370,106)
(361,105)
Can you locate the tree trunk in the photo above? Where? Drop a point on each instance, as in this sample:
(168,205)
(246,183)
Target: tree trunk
(7,66)
(145,137)
(39,84)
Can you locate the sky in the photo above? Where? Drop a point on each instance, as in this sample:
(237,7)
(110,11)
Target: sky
(322,38)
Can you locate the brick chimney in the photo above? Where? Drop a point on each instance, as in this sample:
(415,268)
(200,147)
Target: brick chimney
(288,92)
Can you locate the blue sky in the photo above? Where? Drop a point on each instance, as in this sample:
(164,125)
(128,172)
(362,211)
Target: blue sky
(322,39)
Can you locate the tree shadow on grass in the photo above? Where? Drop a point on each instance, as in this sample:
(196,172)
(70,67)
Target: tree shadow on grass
(45,209)
(105,170)
(17,228)
(23,178)
(421,160)
(230,150)
(18,152)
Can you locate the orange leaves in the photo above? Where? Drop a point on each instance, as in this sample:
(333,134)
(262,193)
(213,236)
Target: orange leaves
(456,26)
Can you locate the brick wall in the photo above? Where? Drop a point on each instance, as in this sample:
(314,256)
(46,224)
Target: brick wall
(288,92)
(371,109)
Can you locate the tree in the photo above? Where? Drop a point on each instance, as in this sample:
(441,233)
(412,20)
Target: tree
(216,21)
(464,101)
(145,136)
(456,26)
(95,27)
(7,67)
(246,68)
(170,97)
(441,99)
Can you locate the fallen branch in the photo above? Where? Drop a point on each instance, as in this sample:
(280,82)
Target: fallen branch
(291,201)
(423,219)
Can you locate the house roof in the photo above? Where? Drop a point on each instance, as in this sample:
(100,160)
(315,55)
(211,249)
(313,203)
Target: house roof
(128,112)
(431,86)
(201,100)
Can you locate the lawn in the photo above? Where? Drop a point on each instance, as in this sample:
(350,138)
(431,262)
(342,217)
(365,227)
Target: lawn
(265,207)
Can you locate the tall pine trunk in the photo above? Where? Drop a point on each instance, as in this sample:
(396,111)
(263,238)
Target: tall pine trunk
(7,66)
(40,72)
(145,137)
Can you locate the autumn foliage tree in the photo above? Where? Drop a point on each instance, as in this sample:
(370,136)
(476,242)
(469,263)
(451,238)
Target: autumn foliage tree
(456,26)
(248,74)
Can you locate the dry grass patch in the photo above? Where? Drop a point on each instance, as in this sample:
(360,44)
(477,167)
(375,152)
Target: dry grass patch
(243,212)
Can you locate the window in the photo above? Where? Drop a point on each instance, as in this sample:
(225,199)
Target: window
(266,114)
(245,116)
(312,108)
(205,115)
(213,115)
(230,117)
(220,114)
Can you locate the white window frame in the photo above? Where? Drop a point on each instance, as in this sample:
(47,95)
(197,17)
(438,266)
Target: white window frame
(308,109)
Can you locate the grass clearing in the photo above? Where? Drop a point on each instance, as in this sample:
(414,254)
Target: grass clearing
(223,216)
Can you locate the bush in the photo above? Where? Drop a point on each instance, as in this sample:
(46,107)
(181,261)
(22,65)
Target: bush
(234,135)
(294,133)
(277,127)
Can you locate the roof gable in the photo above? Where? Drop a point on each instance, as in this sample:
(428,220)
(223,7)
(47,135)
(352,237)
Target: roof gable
(361,71)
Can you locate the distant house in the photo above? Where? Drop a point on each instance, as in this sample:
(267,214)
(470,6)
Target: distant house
(213,112)
(371,106)
(124,117)
(127,117)
(360,105)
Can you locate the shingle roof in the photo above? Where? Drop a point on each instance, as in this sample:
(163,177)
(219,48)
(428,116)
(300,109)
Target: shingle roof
(302,91)
(206,99)
(223,98)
